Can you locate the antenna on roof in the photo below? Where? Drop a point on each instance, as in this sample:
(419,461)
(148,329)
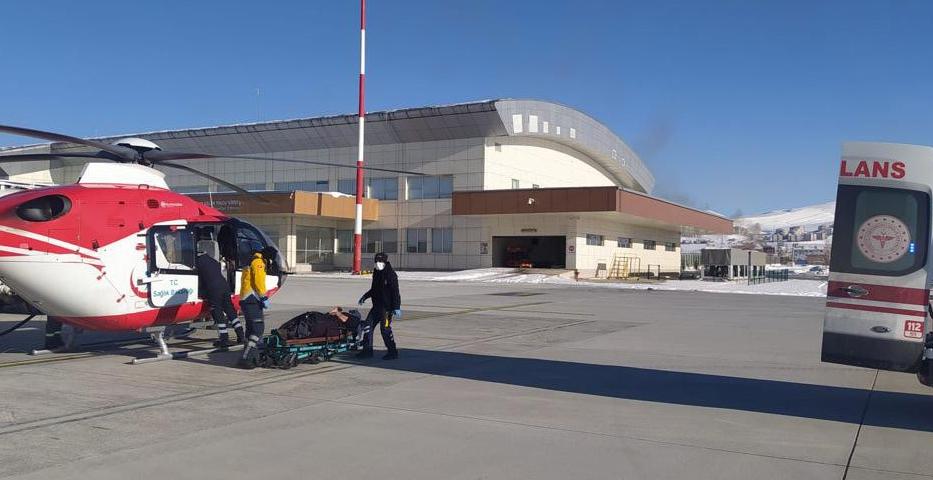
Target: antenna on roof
(258,117)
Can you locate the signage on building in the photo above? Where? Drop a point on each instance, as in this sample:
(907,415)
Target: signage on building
(571,248)
(229,206)
(484,248)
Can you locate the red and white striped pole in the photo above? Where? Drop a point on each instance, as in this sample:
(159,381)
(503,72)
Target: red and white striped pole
(358,226)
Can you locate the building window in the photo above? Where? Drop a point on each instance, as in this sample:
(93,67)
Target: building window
(498,147)
(307,186)
(515,184)
(670,247)
(424,188)
(191,189)
(625,242)
(314,245)
(442,240)
(517,123)
(383,188)
(416,240)
(650,244)
(596,240)
(347,186)
(250,187)
(375,241)
(344,241)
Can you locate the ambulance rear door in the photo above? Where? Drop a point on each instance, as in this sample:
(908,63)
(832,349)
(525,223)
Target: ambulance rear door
(878,291)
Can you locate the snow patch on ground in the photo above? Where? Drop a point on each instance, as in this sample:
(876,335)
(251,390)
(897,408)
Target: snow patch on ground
(795,287)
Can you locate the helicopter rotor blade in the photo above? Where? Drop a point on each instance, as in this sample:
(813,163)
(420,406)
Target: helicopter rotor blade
(157,157)
(212,178)
(123,154)
(32,157)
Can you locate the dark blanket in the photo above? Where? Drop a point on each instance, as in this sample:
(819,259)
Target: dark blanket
(317,324)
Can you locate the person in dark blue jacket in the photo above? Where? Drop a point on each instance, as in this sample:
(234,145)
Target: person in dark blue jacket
(387,304)
(216,292)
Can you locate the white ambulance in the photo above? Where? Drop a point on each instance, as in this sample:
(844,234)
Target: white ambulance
(878,292)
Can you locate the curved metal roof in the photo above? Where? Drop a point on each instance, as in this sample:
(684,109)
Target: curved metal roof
(577,130)
(487,118)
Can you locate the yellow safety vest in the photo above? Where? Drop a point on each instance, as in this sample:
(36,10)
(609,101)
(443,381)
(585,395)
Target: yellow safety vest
(253,280)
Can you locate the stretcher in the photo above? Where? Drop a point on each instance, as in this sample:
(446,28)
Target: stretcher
(277,352)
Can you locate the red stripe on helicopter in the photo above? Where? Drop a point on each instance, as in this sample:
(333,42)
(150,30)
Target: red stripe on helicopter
(186,312)
(880,293)
(871,308)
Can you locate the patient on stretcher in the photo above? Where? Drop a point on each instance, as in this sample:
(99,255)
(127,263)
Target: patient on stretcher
(317,324)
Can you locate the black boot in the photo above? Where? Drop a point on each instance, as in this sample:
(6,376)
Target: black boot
(240,336)
(223,342)
(248,360)
(250,352)
(365,353)
(53,334)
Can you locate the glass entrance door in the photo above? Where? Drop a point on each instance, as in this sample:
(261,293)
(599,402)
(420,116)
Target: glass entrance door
(314,245)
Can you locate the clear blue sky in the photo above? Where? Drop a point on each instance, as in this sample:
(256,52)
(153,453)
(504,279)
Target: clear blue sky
(733,104)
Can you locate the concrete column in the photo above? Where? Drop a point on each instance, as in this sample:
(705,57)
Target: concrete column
(290,248)
(572,244)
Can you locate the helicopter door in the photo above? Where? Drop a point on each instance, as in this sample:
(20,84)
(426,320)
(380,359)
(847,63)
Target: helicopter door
(173,279)
(248,240)
(877,293)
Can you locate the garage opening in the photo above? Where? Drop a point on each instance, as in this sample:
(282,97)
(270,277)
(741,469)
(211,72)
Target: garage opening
(529,252)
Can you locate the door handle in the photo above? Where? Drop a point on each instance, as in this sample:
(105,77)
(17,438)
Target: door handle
(856,291)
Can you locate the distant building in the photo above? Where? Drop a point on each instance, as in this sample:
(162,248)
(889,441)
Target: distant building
(502,183)
(732,263)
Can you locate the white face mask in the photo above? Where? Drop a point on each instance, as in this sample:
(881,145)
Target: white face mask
(380,265)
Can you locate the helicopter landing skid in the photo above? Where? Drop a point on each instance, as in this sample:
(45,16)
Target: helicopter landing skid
(69,336)
(156,334)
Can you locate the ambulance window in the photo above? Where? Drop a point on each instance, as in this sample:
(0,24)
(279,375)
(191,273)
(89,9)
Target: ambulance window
(880,231)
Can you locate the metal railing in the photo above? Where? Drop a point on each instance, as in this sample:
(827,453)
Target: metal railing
(769,276)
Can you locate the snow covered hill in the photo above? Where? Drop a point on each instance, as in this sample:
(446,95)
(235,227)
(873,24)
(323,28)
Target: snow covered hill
(808,217)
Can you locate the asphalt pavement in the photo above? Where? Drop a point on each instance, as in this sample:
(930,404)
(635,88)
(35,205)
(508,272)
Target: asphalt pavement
(494,381)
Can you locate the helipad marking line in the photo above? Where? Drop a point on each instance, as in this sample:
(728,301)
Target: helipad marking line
(860,423)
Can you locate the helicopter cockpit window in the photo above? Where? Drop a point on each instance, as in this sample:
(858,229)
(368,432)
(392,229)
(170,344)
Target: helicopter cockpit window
(247,242)
(43,209)
(174,249)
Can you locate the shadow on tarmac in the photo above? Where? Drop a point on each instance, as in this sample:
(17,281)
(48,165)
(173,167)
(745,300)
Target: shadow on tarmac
(840,404)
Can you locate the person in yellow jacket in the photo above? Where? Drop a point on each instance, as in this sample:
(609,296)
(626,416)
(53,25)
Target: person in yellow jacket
(253,301)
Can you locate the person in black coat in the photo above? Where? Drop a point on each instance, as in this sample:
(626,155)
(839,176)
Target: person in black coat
(387,304)
(216,292)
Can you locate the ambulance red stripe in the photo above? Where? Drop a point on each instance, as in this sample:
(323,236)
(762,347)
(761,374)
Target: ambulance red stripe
(871,308)
(881,293)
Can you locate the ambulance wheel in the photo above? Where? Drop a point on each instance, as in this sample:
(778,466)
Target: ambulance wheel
(925,373)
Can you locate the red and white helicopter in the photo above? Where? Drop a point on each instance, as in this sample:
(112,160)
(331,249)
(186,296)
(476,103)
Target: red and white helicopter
(115,251)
